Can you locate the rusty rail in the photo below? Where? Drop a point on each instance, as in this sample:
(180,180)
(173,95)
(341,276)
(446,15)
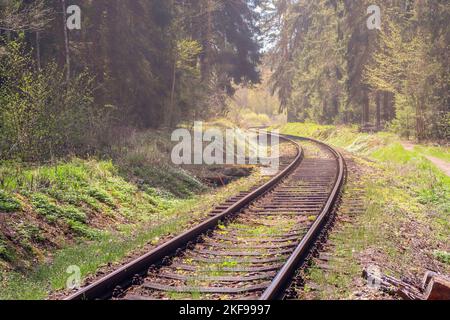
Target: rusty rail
(123,277)
(281,282)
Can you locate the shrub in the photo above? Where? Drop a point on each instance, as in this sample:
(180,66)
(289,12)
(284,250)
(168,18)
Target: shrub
(42,115)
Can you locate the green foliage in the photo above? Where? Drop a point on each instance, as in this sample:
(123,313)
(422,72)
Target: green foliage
(55,213)
(46,208)
(403,67)
(74,214)
(434,151)
(8,203)
(42,115)
(29,232)
(101,195)
(6,252)
(81,229)
(442,256)
(331,69)
(142,217)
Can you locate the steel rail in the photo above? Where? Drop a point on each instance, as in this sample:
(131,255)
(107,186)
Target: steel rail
(103,288)
(281,282)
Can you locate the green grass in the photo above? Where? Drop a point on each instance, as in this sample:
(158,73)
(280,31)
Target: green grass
(407,197)
(442,153)
(392,205)
(382,146)
(69,198)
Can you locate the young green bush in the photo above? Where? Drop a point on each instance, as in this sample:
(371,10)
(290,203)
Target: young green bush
(42,115)
(74,214)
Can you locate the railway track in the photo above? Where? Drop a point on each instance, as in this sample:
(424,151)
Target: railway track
(250,248)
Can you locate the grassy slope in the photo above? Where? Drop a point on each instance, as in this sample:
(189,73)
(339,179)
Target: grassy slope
(90,213)
(406,225)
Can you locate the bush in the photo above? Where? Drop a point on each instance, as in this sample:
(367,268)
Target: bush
(42,115)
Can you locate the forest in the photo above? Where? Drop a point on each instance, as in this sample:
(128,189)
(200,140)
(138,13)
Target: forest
(147,64)
(331,68)
(93,93)
(139,64)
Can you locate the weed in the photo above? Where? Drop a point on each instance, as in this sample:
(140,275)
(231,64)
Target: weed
(442,256)
(8,203)
(82,230)
(46,208)
(30,232)
(73,213)
(6,252)
(101,195)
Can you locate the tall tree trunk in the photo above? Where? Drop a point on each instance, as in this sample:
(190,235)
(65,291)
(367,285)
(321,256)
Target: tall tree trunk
(420,122)
(66,40)
(170,112)
(207,39)
(38,51)
(336,105)
(386,111)
(378,104)
(366,107)
(324,117)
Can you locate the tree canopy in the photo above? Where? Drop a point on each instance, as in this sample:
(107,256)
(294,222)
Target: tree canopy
(330,67)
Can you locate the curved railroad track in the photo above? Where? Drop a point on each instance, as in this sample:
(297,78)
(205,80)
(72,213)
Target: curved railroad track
(250,248)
